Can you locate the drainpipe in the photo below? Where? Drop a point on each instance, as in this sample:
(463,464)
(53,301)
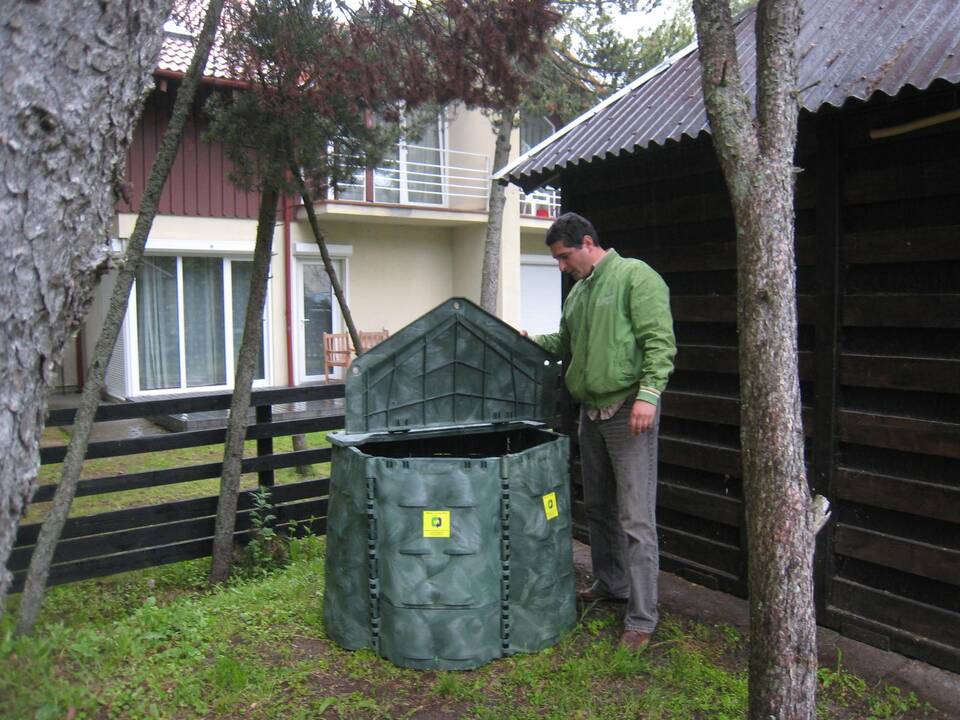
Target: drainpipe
(81,367)
(288,282)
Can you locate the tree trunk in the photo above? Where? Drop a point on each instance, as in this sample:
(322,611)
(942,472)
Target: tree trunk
(35,586)
(240,403)
(757,162)
(74,78)
(300,443)
(490,274)
(327,262)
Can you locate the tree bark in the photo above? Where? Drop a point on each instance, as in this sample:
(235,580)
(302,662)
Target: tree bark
(327,262)
(300,443)
(756,156)
(35,586)
(74,77)
(240,402)
(492,244)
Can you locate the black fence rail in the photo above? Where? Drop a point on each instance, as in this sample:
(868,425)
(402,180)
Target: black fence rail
(139,537)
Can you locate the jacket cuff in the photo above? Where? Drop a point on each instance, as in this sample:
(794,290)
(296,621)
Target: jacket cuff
(648,394)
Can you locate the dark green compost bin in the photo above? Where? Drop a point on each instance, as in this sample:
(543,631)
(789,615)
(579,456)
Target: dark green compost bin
(448,531)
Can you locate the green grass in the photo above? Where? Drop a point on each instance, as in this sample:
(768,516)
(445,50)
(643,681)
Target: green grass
(158,644)
(161,460)
(202,653)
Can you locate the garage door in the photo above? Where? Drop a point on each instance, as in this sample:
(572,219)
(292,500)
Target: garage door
(539,294)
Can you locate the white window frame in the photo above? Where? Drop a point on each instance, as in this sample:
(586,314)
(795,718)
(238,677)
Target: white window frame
(310,253)
(403,179)
(226,251)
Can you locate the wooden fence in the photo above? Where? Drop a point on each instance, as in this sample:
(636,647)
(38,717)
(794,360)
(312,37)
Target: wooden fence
(139,537)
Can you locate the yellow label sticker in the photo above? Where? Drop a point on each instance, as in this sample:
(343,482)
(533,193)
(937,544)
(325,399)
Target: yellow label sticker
(436,523)
(550,505)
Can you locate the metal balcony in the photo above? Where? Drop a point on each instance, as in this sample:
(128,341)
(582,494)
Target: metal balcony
(419,175)
(541,203)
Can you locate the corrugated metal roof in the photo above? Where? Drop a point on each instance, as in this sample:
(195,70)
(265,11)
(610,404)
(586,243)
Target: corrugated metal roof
(846,49)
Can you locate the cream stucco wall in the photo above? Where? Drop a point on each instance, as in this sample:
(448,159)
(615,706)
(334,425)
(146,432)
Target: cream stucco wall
(395,273)
(467,261)
(469,130)
(509,296)
(531,243)
(469,136)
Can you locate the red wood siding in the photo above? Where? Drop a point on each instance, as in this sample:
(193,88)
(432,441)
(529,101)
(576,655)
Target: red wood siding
(198,185)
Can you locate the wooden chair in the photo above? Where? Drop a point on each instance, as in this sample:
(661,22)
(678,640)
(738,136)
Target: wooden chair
(337,352)
(338,349)
(369,338)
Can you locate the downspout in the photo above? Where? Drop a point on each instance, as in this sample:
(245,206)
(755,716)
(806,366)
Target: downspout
(81,366)
(288,281)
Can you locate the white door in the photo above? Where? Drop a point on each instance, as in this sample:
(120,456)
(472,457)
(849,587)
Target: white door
(539,294)
(317,313)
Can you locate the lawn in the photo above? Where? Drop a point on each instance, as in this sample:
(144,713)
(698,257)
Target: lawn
(158,644)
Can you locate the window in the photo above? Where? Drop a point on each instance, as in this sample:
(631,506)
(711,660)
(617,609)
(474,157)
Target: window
(354,185)
(412,171)
(189,321)
(534,131)
(318,316)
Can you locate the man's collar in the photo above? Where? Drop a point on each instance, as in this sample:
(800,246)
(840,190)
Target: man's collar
(602,262)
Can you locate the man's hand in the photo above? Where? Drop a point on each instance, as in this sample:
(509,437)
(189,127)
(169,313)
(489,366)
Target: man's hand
(642,416)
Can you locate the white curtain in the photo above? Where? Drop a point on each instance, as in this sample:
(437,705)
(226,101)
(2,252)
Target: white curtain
(203,319)
(158,334)
(424,172)
(386,177)
(240,272)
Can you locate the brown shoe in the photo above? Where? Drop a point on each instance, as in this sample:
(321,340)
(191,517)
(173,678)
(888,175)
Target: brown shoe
(595,594)
(634,640)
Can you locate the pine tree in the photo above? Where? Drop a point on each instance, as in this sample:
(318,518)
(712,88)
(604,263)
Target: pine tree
(314,79)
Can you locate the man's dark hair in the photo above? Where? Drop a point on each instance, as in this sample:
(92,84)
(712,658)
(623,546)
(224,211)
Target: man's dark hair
(569,229)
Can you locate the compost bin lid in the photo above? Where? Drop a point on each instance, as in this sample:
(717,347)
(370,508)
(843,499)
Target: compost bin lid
(455,366)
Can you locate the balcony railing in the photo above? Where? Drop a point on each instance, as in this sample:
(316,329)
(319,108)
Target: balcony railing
(445,178)
(542,203)
(419,175)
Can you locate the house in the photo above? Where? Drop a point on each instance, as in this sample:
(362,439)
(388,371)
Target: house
(404,237)
(878,277)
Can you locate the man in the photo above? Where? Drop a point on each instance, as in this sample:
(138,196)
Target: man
(617,328)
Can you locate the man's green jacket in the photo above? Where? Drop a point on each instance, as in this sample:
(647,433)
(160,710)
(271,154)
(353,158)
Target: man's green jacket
(617,328)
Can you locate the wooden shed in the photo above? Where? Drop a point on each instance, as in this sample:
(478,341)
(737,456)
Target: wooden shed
(878,277)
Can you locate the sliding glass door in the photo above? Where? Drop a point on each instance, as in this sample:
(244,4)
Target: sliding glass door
(189,321)
(413,170)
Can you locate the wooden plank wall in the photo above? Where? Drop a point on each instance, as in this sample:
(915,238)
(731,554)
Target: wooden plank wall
(878,278)
(893,577)
(199,184)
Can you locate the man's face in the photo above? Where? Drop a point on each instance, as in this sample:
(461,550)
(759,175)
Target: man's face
(576,262)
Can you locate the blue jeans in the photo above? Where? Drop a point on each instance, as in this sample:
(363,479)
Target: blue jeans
(620,494)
